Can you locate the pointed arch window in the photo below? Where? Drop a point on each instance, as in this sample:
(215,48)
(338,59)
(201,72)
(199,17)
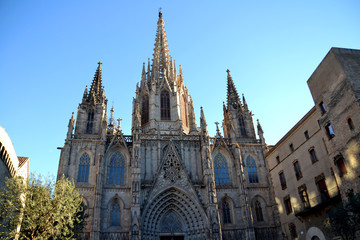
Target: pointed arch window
(83,174)
(117,169)
(251,168)
(90,122)
(221,170)
(165,105)
(226,212)
(242,126)
(258,211)
(145,109)
(115,214)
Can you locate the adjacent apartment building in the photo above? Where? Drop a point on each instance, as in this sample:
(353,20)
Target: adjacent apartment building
(315,165)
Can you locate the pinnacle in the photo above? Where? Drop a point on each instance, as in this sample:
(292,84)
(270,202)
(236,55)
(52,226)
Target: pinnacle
(232,95)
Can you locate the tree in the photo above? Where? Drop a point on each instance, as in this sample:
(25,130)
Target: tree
(345,219)
(39,209)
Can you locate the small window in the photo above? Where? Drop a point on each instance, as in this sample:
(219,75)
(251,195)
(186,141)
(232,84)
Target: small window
(304,196)
(339,161)
(226,212)
(306,133)
(291,146)
(115,215)
(329,131)
(277,159)
(282,180)
(292,229)
(287,204)
(322,108)
(313,155)
(165,105)
(320,182)
(297,169)
(258,211)
(145,109)
(351,124)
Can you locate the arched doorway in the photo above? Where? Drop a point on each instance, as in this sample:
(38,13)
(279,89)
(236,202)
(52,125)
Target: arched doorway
(173,215)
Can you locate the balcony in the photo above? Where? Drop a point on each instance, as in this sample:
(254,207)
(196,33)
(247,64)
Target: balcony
(317,203)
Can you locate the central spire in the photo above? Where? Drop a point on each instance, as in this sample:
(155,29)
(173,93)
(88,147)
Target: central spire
(232,95)
(162,60)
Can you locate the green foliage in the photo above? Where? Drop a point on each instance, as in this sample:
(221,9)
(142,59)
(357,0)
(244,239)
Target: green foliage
(40,209)
(345,220)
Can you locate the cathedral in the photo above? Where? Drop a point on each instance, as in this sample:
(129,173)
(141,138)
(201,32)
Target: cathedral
(169,179)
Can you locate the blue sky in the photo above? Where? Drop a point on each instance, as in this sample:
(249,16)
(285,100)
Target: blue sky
(49,51)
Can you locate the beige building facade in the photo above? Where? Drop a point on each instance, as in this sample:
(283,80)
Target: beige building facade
(10,164)
(315,165)
(169,179)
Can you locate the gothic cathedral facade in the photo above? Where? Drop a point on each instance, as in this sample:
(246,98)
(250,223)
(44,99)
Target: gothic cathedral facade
(169,179)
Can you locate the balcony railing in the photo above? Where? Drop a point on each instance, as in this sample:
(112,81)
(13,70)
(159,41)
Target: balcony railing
(317,203)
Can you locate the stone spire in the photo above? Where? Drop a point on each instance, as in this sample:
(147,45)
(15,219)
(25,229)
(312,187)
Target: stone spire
(245,103)
(232,95)
(203,123)
(96,89)
(161,60)
(260,132)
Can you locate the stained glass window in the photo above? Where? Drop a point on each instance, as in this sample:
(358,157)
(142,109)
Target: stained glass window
(258,211)
(242,126)
(83,174)
(252,172)
(117,169)
(165,105)
(115,215)
(221,170)
(226,212)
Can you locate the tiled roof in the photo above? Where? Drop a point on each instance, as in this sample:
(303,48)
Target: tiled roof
(22,161)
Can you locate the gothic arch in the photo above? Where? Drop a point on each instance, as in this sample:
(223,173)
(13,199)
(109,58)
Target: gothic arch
(252,168)
(223,212)
(228,157)
(126,157)
(188,212)
(83,163)
(256,207)
(110,205)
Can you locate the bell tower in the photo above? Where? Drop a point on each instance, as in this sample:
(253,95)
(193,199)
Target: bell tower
(238,122)
(92,110)
(164,100)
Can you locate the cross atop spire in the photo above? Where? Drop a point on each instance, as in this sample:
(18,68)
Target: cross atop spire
(232,95)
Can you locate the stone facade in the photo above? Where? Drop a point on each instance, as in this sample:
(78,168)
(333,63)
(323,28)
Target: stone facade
(169,179)
(315,165)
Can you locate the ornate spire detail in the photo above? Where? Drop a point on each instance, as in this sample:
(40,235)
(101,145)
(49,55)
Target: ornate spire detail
(232,95)
(245,103)
(203,123)
(111,120)
(96,92)
(161,61)
(260,132)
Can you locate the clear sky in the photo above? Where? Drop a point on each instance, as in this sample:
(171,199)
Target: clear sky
(49,51)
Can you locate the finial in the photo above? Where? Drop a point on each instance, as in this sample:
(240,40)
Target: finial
(160,13)
(217,127)
(99,63)
(228,72)
(119,121)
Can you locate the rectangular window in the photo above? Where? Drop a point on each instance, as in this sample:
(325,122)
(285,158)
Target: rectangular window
(297,169)
(329,131)
(277,159)
(291,147)
(322,107)
(306,133)
(304,196)
(313,155)
(320,182)
(339,161)
(287,204)
(282,180)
